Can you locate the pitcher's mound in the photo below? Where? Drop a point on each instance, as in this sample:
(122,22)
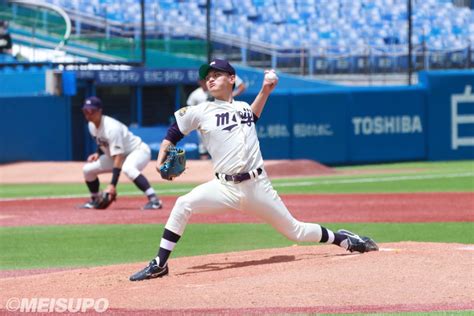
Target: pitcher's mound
(404,276)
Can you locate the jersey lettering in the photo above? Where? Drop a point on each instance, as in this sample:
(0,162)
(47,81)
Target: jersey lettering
(247,117)
(222,119)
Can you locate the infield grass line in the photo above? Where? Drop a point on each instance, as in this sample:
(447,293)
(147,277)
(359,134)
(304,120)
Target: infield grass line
(374,179)
(349,184)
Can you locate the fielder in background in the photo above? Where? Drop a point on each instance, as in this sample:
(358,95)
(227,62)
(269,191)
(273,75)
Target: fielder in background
(241,183)
(117,150)
(201,94)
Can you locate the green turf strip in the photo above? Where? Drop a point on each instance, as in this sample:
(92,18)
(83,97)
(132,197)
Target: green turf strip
(91,245)
(430,177)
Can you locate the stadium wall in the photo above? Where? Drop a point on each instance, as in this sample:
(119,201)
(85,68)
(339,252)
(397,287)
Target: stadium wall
(334,125)
(345,127)
(451,114)
(14,83)
(35,128)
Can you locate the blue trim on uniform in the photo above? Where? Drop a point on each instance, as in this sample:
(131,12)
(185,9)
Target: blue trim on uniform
(174,135)
(115,176)
(255,117)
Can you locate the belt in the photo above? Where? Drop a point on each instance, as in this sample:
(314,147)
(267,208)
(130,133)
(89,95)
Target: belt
(239,177)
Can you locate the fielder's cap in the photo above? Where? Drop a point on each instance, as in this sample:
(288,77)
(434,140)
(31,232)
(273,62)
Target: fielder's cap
(92,103)
(217,64)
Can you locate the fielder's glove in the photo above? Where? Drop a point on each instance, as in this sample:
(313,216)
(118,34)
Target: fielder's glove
(174,165)
(105,199)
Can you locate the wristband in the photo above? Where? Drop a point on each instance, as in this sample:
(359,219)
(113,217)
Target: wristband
(115,176)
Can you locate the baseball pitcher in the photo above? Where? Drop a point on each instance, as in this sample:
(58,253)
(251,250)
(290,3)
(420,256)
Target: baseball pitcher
(241,183)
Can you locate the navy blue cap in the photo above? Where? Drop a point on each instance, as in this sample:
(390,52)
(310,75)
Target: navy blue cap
(92,103)
(217,64)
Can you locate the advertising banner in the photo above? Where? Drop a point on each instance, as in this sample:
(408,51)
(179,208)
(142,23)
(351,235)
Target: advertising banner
(451,114)
(387,124)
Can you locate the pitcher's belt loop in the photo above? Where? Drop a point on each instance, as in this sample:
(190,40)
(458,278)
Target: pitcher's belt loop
(239,177)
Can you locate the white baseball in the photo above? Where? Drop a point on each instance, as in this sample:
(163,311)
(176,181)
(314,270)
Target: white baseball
(271,76)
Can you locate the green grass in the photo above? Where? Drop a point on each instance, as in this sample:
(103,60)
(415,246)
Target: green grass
(431,165)
(397,178)
(92,245)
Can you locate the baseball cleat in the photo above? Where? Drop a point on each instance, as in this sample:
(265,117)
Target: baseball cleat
(152,271)
(92,204)
(153,205)
(358,243)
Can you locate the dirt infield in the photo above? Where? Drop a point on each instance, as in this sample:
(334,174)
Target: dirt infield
(419,207)
(197,171)
(310,279)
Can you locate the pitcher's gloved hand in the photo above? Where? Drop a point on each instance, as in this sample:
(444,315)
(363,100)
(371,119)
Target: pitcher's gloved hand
(174,164)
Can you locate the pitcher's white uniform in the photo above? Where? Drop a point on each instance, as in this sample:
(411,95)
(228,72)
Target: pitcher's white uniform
(241,183)
(229,133)
(114,138)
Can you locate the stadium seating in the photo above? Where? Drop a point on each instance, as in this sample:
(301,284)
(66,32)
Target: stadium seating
(334,27)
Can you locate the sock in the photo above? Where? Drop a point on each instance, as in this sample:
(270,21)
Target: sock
(93,187)
(329,237)
(150,193)
(168,242)
(142,183)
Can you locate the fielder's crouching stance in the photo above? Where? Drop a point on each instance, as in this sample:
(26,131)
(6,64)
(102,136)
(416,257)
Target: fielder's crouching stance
(117,150)
(228,132)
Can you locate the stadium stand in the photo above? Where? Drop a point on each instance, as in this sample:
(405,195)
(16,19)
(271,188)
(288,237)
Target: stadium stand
(332,36)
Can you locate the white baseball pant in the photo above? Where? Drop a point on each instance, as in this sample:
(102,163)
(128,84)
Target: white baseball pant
(133,164)
(255,196)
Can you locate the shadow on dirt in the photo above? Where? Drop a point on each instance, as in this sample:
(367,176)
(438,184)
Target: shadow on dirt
(219,266)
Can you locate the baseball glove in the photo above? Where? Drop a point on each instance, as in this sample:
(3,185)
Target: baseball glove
(105,199)
(174,165)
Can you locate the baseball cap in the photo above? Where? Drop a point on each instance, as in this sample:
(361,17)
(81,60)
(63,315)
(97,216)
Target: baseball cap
(217,64)
(92,103)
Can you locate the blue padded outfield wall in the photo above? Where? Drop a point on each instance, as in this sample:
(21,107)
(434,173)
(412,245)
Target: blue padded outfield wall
(340,127)
(336,125)
(35,128)
(381,124)
(451,114)
(386,125)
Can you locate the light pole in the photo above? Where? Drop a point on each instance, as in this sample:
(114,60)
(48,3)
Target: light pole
(410,64)
(208,31)
(143,35)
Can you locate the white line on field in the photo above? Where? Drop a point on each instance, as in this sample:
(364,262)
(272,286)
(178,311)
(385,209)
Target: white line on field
(469,248)
(375,179)
(281,184)
(124,193)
